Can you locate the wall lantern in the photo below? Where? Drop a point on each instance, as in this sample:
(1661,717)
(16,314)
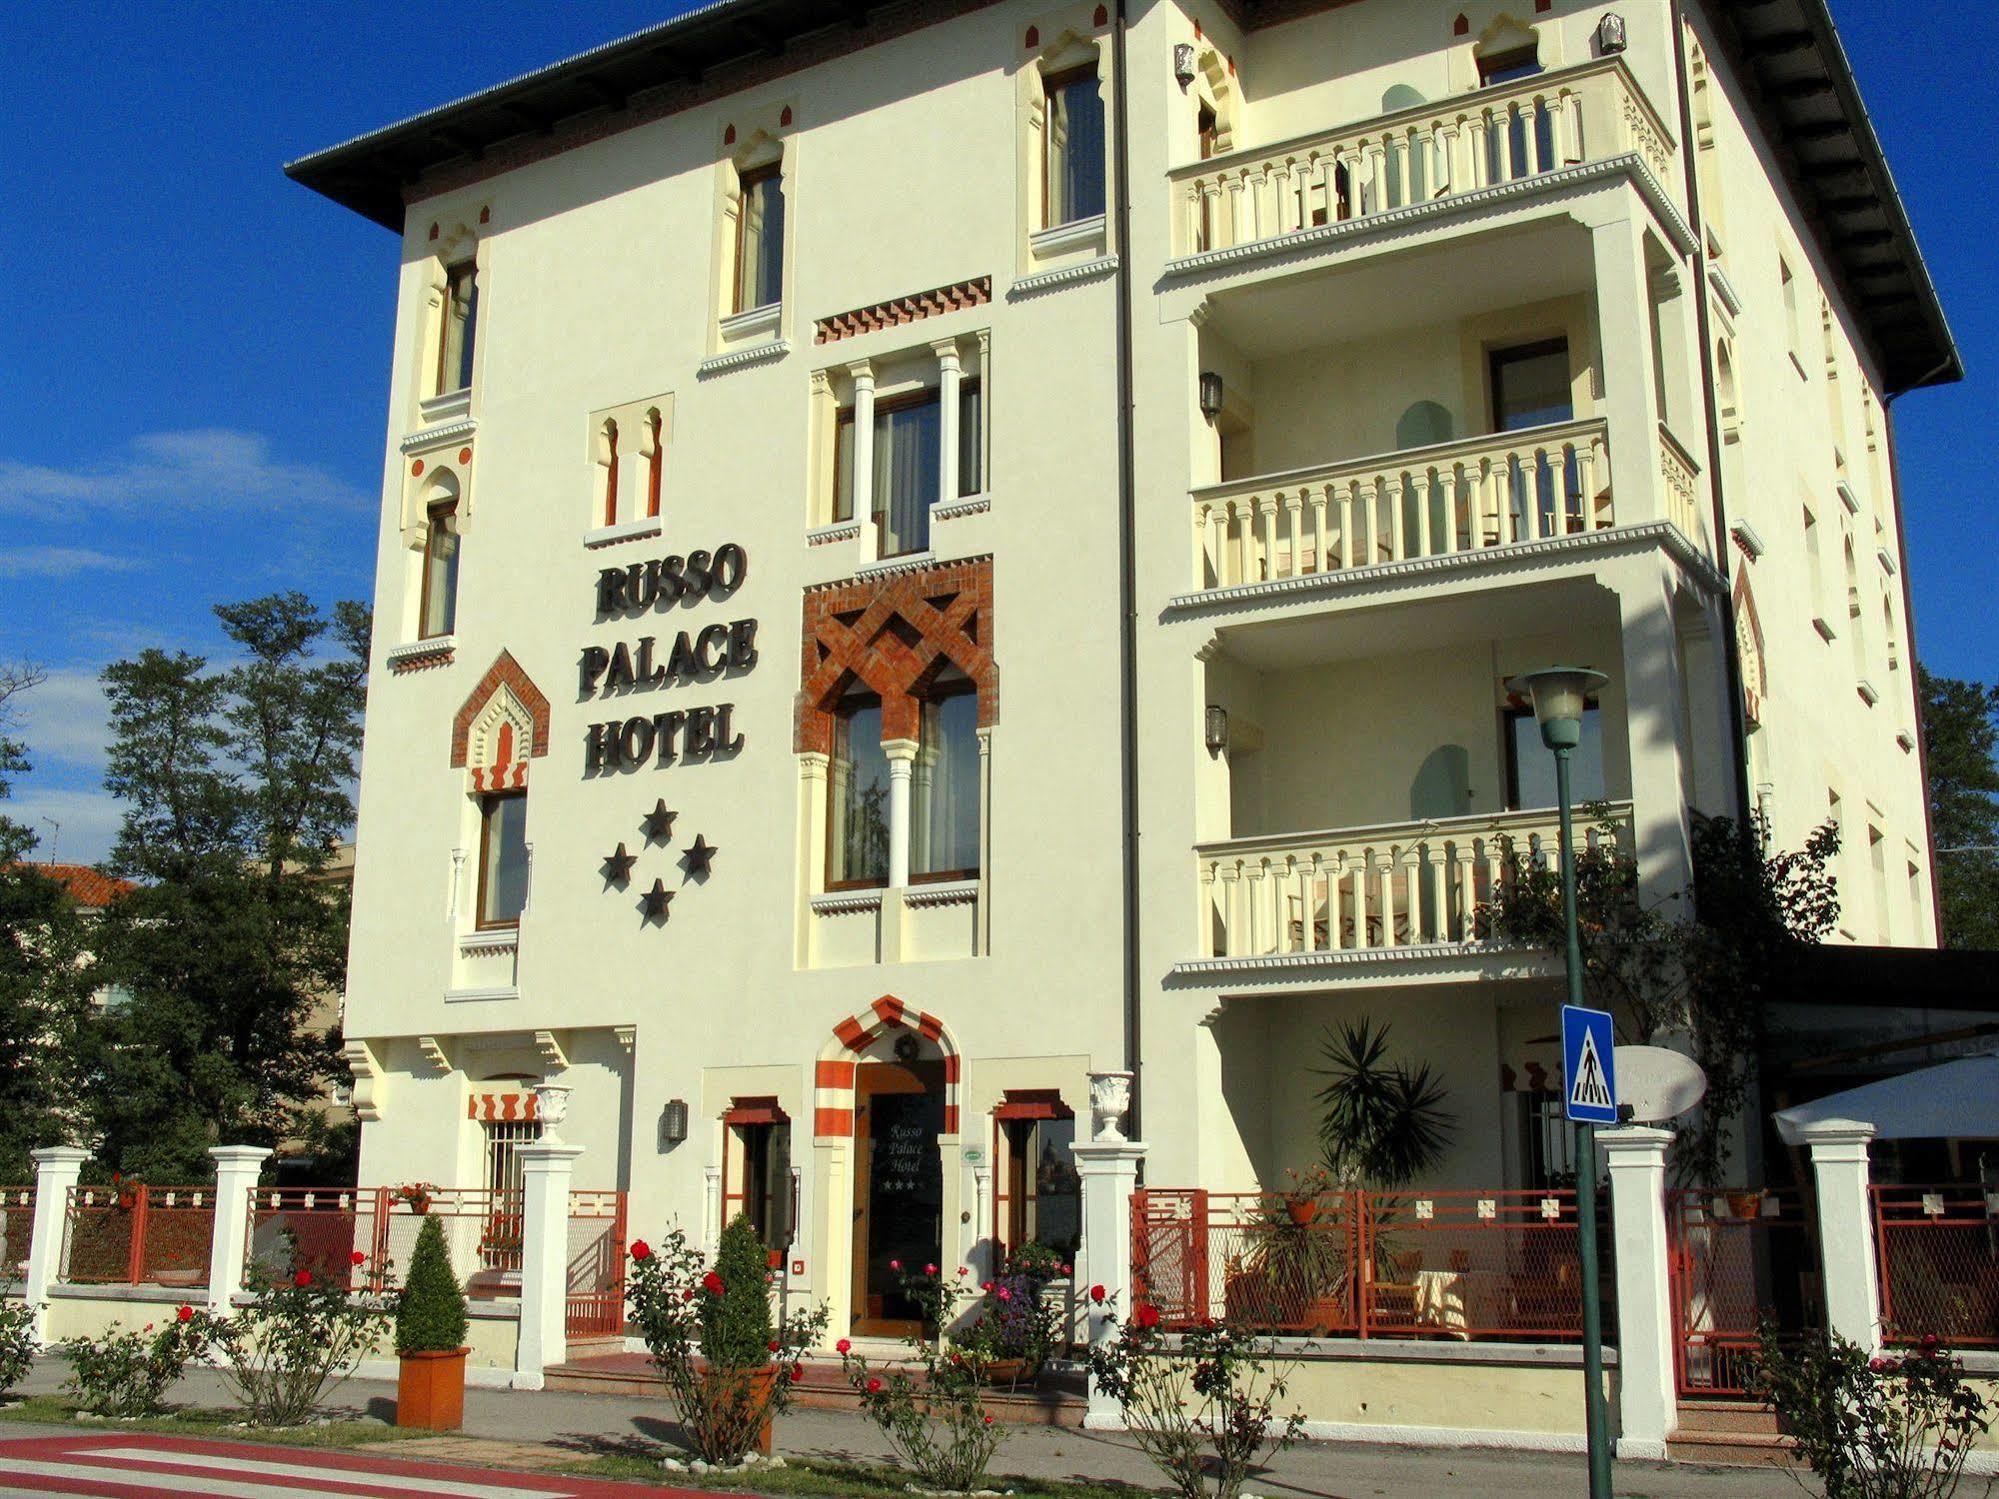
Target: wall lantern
(673,1122)
(1610,34)
(1211,394)
(1183,62)
(1217,729)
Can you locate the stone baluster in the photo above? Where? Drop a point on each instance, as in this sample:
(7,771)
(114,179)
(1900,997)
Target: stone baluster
(901,756)
(1478,133)
(1420,487)
(1245,539)
(1294,518)
(1318,504)
(1393,492)
(1434,861)
(1558,131)
(1232,944)
(1336,878)
(950,377)
(1266,536)
(1345,519)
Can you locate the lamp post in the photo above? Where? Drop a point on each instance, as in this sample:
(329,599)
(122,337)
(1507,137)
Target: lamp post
(1559,694)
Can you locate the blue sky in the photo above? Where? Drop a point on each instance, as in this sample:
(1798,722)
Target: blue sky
(194,363)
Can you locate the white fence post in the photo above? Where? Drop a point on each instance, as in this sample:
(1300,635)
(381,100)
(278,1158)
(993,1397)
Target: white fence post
(1108,1166)
(1647,1405)
(546,1167)
(1846,1229)
(56,1169)
(237,1168)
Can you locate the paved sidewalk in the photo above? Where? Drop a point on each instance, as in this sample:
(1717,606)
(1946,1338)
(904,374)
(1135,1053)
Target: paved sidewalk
(516,1428)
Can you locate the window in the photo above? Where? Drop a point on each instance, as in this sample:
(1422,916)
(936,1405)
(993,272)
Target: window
(760,238)
(857,786)
(760,1135)
(908,434)
(1505,67)
(971,438)
(655,460)
(461,324)
(1816,565)
(438,609)
(503,859)
(1877,870)
(610,473)
(500,1235)
(1530,385)
(1073,163)
(1038,1195)
(1790,289)
(1204,129)
(1530,767)
(944,784)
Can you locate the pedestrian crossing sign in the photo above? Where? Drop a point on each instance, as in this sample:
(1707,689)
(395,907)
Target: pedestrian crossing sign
(1588,1046)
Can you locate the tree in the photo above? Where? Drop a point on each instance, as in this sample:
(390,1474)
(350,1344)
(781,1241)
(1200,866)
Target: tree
(1383,1124)
(236,784)
(1961,736)
(1697,975)
(46,977)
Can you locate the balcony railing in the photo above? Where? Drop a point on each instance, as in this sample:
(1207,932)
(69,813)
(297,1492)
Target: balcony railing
(1370,890)
(1471,495)
(1418,155)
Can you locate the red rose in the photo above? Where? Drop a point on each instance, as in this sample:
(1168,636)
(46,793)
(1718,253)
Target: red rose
(929,1269)
(712,1283)
(987,1419)
(641,1250)
(303,1278)
(895,1264)
(686,1295)
(773,1345)
(186,1314)
(357,1258)
(874,1387)
(1097,1294)
(796,1374)
(1148,1315)
(1068,1269)
(843,1347)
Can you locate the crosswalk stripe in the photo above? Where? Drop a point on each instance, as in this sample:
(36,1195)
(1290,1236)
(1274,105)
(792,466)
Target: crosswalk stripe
(222,1488)
(409,1483)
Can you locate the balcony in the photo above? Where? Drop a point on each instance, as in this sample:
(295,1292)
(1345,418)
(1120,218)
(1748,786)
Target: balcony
(1369,892)
(1494,139)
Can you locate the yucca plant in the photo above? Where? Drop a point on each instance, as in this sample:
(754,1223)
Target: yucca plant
(1384,1123)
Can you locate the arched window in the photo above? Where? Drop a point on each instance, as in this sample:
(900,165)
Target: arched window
(1890,648)
(655,460)
(1422,424)
(1400,96)
(857,789)
(1725,390)
(1072,177)
(437,605)
(760,231)
(1853,615)
(944,783)
(460,327)
(610,462)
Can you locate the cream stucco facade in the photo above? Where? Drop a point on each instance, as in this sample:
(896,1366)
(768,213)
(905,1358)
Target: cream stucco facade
(1355,215)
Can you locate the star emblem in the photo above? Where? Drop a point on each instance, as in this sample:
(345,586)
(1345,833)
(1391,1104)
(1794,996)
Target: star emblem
(700,854)
(618,866)
(655,902)
(658,823)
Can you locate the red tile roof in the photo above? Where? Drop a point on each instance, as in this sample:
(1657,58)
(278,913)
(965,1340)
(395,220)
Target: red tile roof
(87,887)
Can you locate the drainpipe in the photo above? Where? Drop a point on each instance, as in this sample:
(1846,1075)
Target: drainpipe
(1710,408)
(1909,629)
(1127,571)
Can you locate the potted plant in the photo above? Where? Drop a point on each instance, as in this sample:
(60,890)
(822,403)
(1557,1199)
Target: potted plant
(1747,1203)
(430,1338)
(415,1195)
(1015,1330)
(736,1343)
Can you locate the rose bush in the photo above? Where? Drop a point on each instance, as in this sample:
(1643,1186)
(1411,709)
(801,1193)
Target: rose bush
(17,1343)
(123,1372)
(299,1337)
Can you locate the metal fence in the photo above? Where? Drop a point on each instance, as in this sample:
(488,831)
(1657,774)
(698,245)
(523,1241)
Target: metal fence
(1503,1265)
(138,1235)
(1741,1258)
(17,1230)
(318,1229)
(1938,1248)
(595,1273)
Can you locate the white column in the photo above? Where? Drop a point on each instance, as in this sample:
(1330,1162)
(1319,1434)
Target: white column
(544,1329)
(1108,1166)
(901,754)
(56,1169)
(711,1209)
(237,1168)
(1624,354)
(1846,1229)
(949,374)
(985,918)
(1647,1407)
(863,375)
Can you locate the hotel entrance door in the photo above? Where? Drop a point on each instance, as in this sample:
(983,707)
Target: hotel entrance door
(898,1188)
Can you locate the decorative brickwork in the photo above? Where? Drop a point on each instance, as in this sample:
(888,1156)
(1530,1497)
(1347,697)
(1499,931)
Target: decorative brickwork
(833,1078)
(893,635)
(902,310)
(504,672)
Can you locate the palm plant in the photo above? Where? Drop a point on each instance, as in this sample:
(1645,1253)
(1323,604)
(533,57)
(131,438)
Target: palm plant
(1384,1123)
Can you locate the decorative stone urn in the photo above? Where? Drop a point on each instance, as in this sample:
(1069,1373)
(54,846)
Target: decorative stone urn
(551,1107)
(1110,1101)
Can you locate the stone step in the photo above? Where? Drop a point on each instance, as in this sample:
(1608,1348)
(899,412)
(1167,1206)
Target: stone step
(1727,1415)
(1742,1449)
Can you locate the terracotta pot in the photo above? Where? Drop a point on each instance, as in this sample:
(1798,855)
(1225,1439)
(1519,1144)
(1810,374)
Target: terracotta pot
(760,1382)
(430,1390)
(1745,1204)
(1302,1209)
(1002,1373)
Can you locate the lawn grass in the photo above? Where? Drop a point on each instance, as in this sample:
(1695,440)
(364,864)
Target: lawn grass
(832,1480)
(213,1422)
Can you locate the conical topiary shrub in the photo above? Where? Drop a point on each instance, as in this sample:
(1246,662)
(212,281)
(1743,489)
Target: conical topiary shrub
(735,1325)
(430,1311)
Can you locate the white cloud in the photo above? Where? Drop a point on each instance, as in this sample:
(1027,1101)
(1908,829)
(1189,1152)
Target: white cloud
(59,562)
(197,469)
(64,719)
(75,826)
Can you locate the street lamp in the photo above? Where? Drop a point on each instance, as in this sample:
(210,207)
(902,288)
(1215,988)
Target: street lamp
(1559,695)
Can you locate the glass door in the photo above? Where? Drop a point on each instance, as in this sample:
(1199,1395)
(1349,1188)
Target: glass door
(898,1188)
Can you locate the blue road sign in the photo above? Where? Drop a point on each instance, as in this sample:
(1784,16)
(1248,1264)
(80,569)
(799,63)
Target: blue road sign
(1588,1085)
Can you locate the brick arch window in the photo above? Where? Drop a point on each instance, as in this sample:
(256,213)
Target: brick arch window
(871,1032)
(502,725)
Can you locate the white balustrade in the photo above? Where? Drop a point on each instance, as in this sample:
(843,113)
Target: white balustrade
(1373,889)
(1474,140)
(1470,495)
(1679,479)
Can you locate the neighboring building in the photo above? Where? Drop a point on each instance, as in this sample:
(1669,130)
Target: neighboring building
(802,703)
(91,892)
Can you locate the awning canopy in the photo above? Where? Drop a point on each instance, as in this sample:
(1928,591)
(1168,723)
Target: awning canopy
(1951,1101)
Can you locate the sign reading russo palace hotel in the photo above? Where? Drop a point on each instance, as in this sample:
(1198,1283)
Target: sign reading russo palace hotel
(1161,432)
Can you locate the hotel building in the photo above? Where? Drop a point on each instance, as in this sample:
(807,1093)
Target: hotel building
(933,549)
